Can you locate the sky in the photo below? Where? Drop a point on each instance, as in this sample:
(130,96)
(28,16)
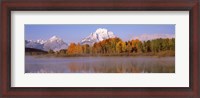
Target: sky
(76,32)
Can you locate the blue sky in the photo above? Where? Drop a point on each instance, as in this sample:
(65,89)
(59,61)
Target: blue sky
(76,32)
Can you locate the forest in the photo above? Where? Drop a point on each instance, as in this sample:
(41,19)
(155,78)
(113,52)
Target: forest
(118,47)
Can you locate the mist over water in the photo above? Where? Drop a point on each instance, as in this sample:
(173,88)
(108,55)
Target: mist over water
(122,64)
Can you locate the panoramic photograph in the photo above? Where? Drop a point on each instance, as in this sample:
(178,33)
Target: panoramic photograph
(99,48)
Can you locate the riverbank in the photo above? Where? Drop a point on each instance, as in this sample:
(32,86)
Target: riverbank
(158,54)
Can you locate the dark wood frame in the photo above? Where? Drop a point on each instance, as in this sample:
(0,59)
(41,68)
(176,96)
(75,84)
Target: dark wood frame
(99,5)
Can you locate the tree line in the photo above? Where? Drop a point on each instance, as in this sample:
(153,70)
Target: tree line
(118,46)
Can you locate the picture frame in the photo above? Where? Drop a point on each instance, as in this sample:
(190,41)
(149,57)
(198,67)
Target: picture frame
(193,91)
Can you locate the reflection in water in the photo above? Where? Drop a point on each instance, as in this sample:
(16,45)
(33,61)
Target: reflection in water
(100,65)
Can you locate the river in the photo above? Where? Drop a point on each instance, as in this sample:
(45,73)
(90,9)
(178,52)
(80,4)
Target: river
(122,64)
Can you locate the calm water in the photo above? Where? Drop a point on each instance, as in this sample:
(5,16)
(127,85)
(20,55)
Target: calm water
(35,64)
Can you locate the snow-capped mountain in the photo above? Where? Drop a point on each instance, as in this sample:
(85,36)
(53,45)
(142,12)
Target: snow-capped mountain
(145,37)
(99,35)
(54,43)
(33,44)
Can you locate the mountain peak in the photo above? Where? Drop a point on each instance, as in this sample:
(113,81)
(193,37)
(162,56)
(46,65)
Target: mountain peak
(53,38)
(101,30)
(99,35)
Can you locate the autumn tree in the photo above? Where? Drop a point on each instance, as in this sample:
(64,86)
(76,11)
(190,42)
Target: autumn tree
(129,47)
(86,49)
(116,45)
(135,44)
(172,44)
(121,47)
(140,47)
(97,48)
(71,49)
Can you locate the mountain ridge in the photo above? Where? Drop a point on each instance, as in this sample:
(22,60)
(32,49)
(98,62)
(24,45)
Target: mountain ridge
(54,43)
(145,37)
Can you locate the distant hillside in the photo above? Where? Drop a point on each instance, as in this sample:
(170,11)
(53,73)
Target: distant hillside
(34,51)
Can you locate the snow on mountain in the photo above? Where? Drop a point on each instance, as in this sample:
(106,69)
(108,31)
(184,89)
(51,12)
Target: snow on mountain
(41,41)
(145,37)
(54,43)
(99,35)
(33,44)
